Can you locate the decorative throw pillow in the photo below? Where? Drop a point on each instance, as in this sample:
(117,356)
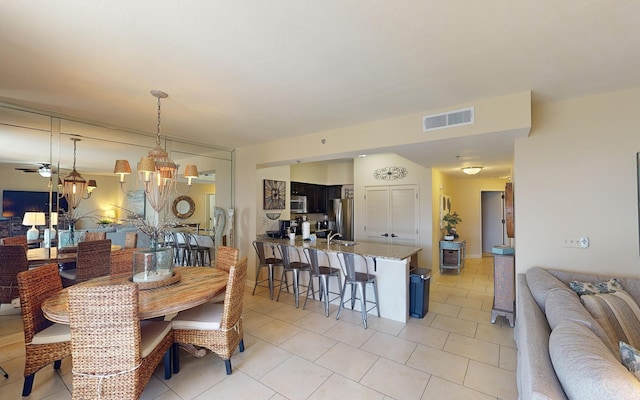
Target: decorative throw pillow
(617,313)
(582,288)
(630,358)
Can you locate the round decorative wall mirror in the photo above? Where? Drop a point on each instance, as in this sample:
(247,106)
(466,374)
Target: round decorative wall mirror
(183,207)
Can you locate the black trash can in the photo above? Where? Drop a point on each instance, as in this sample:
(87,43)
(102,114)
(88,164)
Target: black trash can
(419,282)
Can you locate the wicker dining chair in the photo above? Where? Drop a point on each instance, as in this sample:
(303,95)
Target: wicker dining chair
(226,257)
(91,236)
(14,240)
(93,260)
(122,261)
(114,353)
(130,240)
(214,326)
(44,341)
(13,259)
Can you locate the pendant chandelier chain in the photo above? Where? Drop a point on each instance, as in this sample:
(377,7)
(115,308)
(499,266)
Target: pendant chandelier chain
(158,135)
(75,141)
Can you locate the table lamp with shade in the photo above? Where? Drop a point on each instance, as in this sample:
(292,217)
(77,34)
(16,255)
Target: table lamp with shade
(110,214)
(33,219)
(50,233)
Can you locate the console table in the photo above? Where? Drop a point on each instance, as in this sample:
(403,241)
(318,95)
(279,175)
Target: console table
(452,254)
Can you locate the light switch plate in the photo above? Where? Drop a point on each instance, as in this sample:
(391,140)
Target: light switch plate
(578,242)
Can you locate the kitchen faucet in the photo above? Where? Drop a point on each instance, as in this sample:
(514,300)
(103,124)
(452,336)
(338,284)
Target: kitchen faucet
(331,236)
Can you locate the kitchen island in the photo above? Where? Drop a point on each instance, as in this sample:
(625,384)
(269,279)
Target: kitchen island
(390,263)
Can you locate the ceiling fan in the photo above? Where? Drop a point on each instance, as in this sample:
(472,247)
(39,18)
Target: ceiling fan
(44,170)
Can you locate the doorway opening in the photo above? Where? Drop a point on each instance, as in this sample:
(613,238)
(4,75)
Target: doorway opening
(494,230)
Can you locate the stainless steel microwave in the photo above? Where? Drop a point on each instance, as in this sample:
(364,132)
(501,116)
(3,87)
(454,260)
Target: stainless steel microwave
(298,204)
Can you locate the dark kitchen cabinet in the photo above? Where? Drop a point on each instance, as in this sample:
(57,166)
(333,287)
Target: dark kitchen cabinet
(299,189)
(334,192)
(316,196)
(318,201)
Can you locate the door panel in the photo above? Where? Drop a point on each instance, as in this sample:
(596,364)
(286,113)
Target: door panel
(377,213)
(392,214)
(404,215)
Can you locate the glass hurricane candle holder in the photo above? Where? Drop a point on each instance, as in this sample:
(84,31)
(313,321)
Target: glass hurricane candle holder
(152,265)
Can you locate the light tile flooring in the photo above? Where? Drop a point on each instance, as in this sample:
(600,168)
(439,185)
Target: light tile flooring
(452,353)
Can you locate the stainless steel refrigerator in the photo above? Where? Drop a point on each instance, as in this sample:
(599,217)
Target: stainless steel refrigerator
(341,212)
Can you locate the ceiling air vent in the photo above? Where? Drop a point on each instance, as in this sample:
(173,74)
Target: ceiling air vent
(446,120)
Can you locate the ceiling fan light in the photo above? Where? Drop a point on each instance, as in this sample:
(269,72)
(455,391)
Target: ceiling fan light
(471,170)
(44,171)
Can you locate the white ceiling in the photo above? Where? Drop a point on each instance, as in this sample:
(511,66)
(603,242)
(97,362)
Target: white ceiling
(244,72)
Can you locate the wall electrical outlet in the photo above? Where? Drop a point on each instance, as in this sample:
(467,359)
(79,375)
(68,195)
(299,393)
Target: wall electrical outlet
(579,242)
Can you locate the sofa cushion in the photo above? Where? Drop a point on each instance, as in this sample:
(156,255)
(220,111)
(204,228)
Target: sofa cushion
(563,305)
(617,313)
(585,366)
(582,288)
(630,357)
(631,286)
(541,282)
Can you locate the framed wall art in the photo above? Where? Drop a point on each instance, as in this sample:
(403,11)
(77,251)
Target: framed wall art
(136,203)
(445,208)
(275,194)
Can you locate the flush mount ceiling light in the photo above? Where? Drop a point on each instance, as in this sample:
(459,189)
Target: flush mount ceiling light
(156,171)
(471,170)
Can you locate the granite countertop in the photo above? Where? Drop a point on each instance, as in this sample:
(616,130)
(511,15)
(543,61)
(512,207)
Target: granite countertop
(367,249)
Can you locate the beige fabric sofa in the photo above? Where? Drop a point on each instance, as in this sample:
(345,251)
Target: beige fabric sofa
(563,353)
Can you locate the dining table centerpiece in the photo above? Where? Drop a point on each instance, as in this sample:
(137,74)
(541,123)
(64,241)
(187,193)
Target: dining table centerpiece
(155,264)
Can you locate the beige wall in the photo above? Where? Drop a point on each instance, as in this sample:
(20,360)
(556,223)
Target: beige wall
(502,114)
(576,175)
(335,173)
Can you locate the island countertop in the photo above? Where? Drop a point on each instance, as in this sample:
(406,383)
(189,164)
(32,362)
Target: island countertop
(367,249)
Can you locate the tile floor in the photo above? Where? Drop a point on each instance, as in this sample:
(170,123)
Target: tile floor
(452,353)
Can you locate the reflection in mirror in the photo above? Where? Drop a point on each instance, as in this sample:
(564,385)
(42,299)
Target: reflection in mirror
(183,207)
(34,136)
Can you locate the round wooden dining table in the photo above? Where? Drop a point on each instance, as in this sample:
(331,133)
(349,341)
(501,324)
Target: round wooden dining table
(196,286)
(42,255)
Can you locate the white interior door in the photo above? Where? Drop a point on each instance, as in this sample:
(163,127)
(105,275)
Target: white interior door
(392,214)
(493,228)
(377,213)
(404,215)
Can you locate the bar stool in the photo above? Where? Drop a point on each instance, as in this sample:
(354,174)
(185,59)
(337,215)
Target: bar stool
(179,249)
(357,280)
(295,266)
(195,254)
(266,259)
(323,273)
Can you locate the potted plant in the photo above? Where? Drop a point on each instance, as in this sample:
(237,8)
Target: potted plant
(452,220)
(104,222)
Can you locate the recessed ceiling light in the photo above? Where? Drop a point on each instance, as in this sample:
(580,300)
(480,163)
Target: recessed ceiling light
(362,155)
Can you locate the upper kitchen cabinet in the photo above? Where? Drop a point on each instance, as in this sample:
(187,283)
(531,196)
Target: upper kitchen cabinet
(334,192)
(316,196)
(299,189)
(318,201)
